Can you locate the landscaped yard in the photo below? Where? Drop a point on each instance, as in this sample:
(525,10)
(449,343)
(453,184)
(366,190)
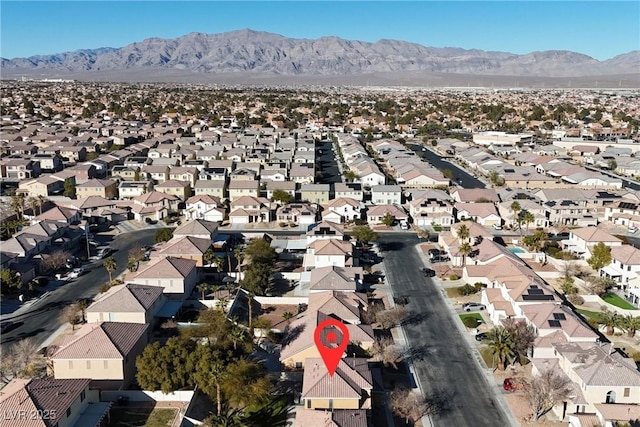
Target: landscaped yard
(474,315)
(467,319)
(596,316)
(141,417)
(614,299)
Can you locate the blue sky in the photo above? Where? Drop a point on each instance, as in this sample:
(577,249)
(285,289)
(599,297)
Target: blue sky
(601,29)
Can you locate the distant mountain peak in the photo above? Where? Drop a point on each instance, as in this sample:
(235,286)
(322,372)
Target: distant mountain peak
(248,50)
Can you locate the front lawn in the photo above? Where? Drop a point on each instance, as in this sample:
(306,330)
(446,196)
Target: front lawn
(469,318)
(614,299)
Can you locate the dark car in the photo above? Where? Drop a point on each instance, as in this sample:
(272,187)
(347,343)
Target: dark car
(482,336)
(440,258)
(428,272)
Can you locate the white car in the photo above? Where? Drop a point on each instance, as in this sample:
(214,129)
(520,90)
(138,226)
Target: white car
(404,225)
(75,273)
(632,229)
(497,227)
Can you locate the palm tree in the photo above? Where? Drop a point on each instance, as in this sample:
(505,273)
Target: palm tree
(527,218)
(631,325)
(237,334)
(17,204)
(218,261)
(465,249)
(463,233)
(203,287)
(222,303)
(238,253)
(610,320)
(287,315)
(515,210)
(32,202)
(41,201)
(110,265)
(208,257)
(501,345)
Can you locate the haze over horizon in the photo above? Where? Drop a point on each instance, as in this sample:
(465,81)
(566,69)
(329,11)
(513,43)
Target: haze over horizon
(45,28)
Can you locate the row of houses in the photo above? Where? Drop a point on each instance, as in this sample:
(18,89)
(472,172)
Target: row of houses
(605,382)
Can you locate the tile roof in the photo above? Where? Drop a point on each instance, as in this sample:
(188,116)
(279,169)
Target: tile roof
(167,268)
(594,235)
(350,380)
(600,364)
(626,254)
(185,245)
(326,226)
(104,340)
(335,278)
(196,227)
(332,247)
(129,298)
(39,395)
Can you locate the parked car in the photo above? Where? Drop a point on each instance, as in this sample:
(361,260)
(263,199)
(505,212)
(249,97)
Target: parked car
(632,229)
(76,272)
(433,252)
(497,227)
(404,225)
(482,336)
(428,272)
(473,306)
(440,258)
(104,252)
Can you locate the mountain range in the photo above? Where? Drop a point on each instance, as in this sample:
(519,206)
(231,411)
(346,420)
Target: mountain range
(254,52)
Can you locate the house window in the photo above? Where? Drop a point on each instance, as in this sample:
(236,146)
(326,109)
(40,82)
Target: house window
(330,403)
(611,397)
(298,365)
(83,395)
(308,404)
(68,412)
(627,390)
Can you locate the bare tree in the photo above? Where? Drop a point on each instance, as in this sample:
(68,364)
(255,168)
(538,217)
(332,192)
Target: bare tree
(71,315)
(56,260)
(391,317)
(16,360)
(523,336)
(386,351)
(408,405)
(546,390)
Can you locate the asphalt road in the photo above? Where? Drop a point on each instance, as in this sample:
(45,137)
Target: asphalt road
(42,318)
(461,176)
(443,362)
(327,164)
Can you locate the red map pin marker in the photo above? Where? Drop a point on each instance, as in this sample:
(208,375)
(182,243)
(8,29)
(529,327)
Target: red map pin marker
(331,337)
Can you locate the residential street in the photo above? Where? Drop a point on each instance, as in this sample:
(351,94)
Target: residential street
(463,178)
(41,319)
(443,362)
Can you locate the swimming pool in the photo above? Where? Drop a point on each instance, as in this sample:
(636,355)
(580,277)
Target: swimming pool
(517,250)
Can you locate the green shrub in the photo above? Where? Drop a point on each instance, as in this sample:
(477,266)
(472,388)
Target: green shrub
(479,286)
(466,289)
(471,322)
(453,277)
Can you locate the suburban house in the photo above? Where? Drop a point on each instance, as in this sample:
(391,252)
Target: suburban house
(204,207)
(153,205)
(180,189)
(315,193)
(351,190)
(127,303)
(329,252)
(106,188)
(104,352)
(334,278)
(342,209)
(386,195)
(469,195)
(178,276)
(582,240)
(200,228)
(350,387)
(239,189)
(624,266)
(600,375)
(250,209)
(215,188)
(325,230)
(131,189)
(288,187)
(47,402)
(300,347)
(431,212)
(44,186)
(484,214)
(538,210)
(377,213)
(297,213)
(184,247)
(341,418)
